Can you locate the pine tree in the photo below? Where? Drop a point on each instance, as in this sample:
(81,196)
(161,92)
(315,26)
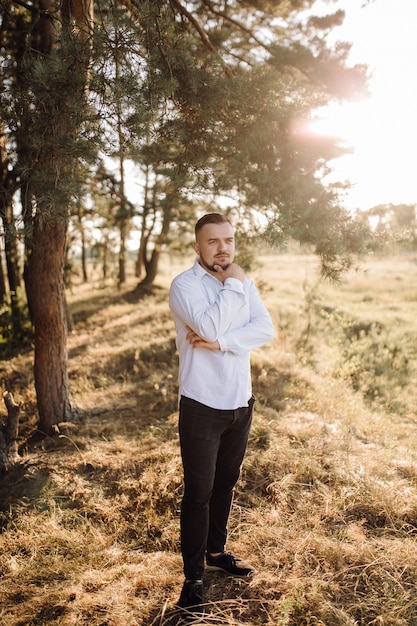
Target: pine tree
(48,92)
(209,98)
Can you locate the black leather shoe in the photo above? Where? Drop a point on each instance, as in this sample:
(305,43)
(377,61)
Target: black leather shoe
(191,599)
(230,564)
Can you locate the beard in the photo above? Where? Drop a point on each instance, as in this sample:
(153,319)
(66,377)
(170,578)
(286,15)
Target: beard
(224,265)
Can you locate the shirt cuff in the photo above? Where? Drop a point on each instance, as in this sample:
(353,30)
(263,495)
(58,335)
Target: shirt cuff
(234,284)
(222,344)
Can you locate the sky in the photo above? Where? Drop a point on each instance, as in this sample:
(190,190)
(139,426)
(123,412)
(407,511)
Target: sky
(381,129)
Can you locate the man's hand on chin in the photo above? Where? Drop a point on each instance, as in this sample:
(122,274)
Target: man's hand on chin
(231,271)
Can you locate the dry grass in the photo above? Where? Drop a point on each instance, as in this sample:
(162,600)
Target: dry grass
(326,507)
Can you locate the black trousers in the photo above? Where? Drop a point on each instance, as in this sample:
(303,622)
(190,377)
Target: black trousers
(213,444)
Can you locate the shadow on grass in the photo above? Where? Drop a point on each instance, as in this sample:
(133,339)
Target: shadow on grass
(22,484)
(225,602)
(91,305)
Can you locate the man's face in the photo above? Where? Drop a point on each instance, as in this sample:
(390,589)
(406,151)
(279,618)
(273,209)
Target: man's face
(215,245)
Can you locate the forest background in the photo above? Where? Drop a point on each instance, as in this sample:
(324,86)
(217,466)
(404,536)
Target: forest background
(210,104)
(209,101)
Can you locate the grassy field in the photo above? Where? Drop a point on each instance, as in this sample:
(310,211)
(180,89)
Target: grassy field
(326,507)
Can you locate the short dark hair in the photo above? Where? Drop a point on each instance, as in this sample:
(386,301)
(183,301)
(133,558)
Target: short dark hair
(211,218)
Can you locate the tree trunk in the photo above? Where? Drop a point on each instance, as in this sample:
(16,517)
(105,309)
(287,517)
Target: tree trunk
(80,214)
(50,186)
(122,253)
(13,271)
(151,264)
(123,216)
(46,292)
(146,229)
(2,282)
(141,257)
(8,434)
(7,189)
(105,256)
(12,254)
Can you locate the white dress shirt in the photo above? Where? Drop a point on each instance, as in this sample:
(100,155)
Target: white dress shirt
(231,313)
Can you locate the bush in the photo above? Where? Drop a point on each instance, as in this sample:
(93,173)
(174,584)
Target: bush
(377,365)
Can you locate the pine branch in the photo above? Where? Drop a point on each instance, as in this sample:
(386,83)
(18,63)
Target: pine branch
(206,41)
(134,8)
(252,35)
(33,9)
(241,27)
(203,36)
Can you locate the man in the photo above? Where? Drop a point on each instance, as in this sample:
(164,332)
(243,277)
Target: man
(219,318)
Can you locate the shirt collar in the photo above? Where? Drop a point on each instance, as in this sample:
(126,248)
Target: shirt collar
(199,271)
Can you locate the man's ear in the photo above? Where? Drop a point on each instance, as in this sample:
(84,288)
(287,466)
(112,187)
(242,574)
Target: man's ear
(196,248)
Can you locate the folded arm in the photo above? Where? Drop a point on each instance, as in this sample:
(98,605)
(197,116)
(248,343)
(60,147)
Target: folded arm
(208,320)
(214,328)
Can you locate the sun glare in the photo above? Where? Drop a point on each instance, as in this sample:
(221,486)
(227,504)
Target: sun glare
(379,134)
(381,130)
(345,121)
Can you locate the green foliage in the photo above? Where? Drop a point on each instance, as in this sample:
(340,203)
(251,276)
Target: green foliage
(376,360)
(377,364)
(220,110)
(373,351)
(206,101)
(395,226)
